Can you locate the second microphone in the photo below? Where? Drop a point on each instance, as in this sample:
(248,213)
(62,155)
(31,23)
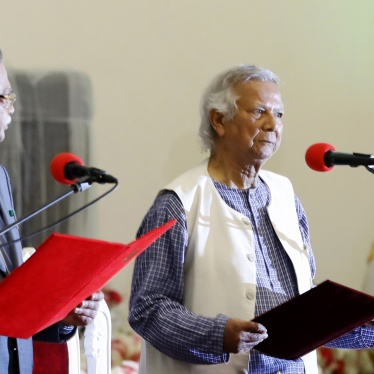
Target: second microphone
(66,168)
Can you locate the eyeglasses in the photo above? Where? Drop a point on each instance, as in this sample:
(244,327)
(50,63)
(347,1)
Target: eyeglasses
(8,100)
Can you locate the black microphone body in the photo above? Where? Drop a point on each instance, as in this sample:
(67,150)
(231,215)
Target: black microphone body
(74,170)
(352,159)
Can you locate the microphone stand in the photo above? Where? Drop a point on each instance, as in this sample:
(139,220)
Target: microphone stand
(79,186)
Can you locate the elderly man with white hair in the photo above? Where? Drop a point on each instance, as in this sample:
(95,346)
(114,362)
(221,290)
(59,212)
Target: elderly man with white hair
(240,246)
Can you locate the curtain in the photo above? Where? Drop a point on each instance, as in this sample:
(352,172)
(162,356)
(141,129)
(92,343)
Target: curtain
(53,113)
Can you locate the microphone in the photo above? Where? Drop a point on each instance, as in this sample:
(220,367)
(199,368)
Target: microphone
(66,168)
(322,157)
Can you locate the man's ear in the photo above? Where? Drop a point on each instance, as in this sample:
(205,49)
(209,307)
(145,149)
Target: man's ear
(217,121)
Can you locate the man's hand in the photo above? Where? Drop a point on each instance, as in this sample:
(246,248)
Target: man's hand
(85,312)
(241,336)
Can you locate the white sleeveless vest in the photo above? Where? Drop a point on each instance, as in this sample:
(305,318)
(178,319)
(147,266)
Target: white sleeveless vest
(220,265)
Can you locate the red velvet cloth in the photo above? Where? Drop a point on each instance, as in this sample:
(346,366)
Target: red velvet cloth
(54,292)
(50,358)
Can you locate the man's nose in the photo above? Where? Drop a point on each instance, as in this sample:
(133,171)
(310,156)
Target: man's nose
(271,122)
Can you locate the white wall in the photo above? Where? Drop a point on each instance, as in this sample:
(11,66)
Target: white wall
(149,61)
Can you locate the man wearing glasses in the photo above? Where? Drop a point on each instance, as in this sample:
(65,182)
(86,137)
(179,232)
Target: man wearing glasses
(16,355)
(7,99)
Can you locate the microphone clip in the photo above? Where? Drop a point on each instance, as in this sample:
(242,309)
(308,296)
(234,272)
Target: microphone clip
(88,174)
(81,184)
(370,166)
(85,182)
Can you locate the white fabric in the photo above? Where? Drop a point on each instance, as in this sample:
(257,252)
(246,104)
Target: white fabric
(97,342)
(27,252)
(97,345)
(74,354)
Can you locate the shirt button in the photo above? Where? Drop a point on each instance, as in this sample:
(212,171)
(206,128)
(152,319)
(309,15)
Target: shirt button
(279,372)
(244,371)
(246,220)
(249,295)
(250,257)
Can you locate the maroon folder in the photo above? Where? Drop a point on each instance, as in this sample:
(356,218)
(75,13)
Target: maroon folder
(63,271)
(314,318)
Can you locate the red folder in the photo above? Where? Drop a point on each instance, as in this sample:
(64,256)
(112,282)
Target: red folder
(63,271)
(314,318)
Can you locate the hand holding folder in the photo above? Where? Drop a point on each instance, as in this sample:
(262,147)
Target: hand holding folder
(64,271)
(314,318)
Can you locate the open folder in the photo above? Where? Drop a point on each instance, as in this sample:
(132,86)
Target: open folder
(314,318)
(63,271)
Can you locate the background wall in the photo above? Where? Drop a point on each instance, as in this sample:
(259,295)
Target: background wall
(149,62)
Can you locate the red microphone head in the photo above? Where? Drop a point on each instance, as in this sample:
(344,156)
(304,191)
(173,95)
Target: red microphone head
(58,164)
(315,156)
